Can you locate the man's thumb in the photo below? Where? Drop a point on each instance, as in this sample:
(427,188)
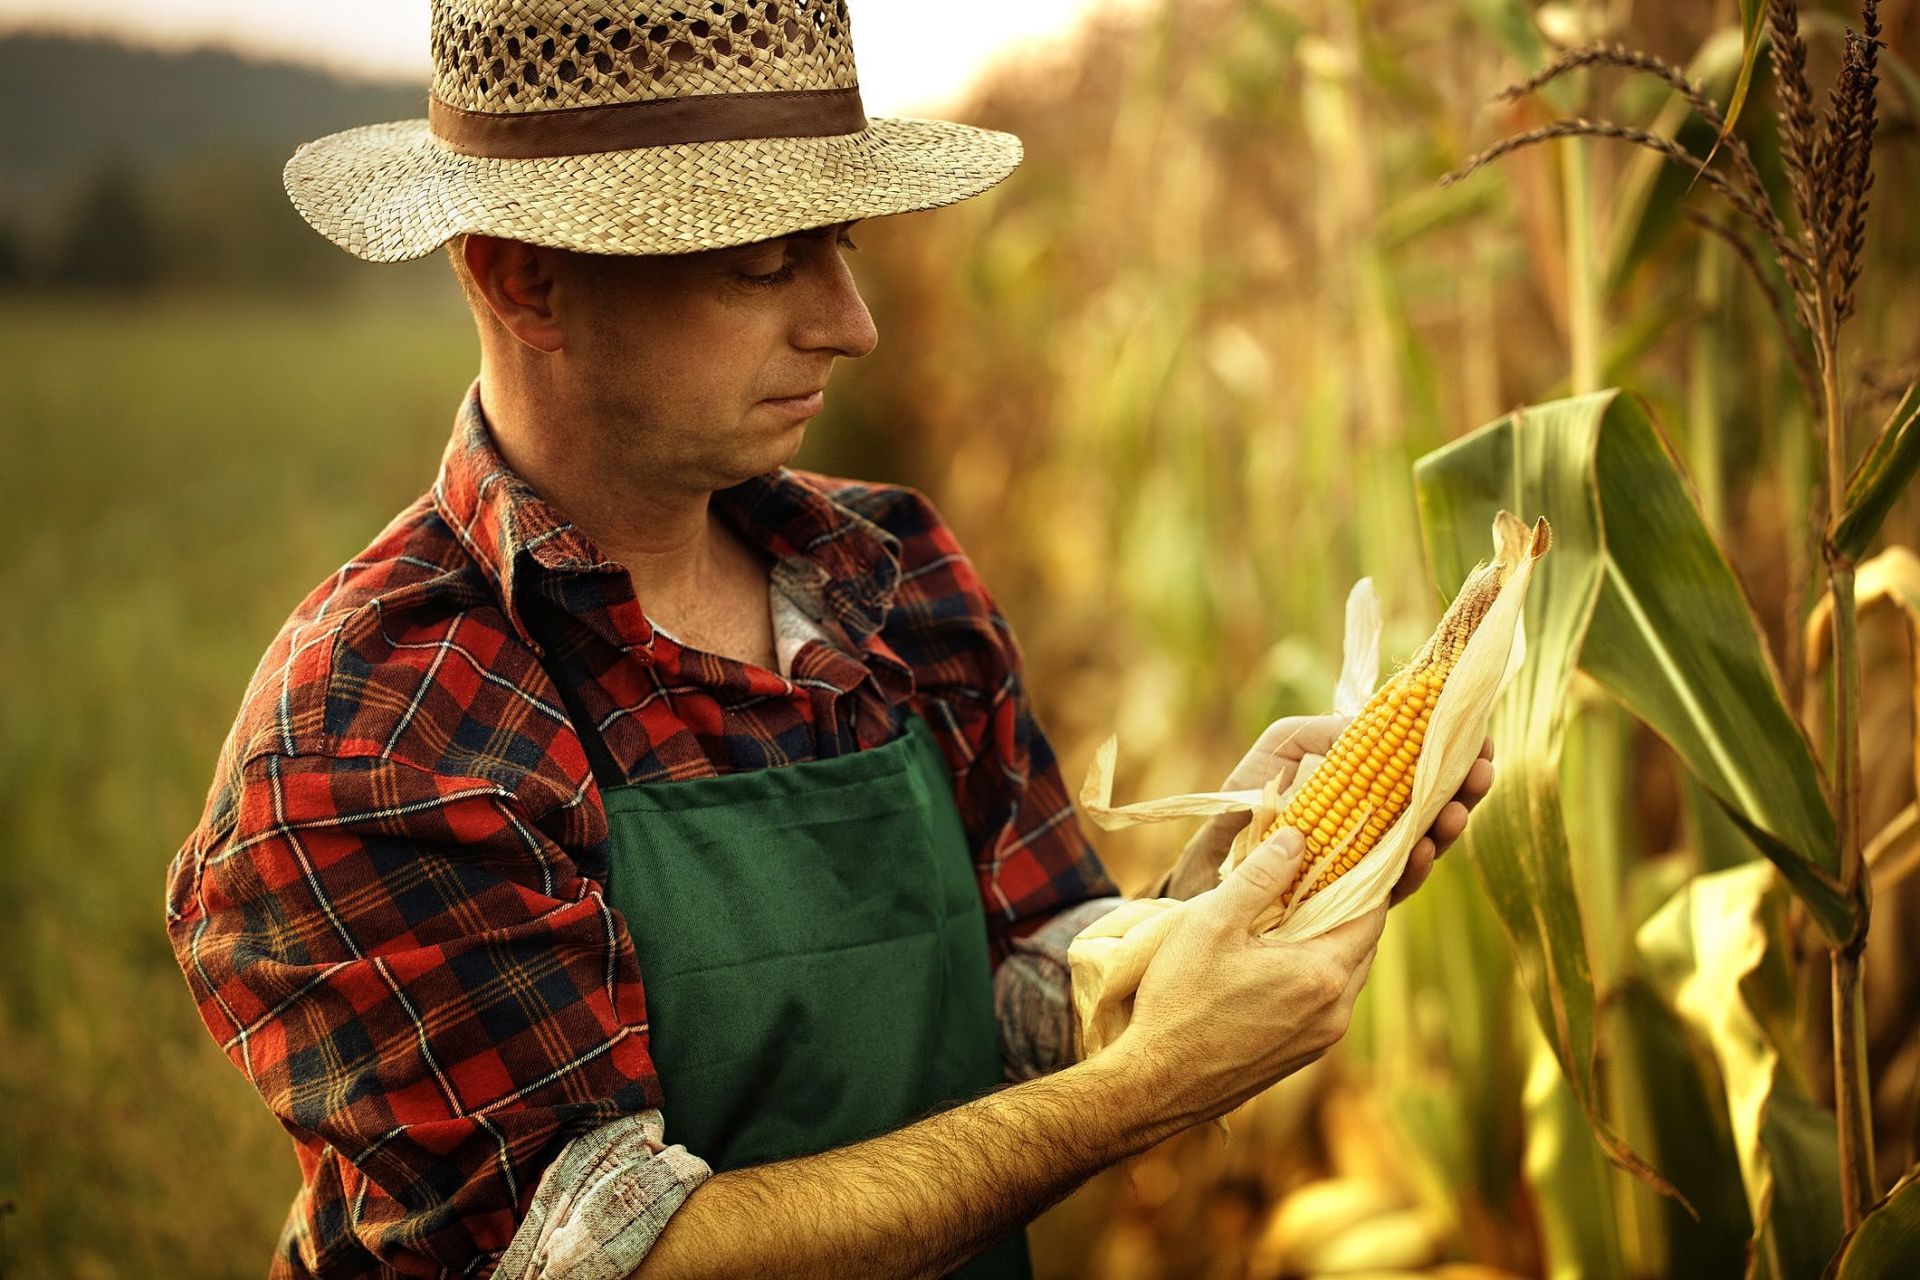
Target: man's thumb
(1262,877)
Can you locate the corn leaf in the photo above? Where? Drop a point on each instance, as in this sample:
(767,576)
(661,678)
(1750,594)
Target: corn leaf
(1636,593)
(1882,476)
(1716,840)
(1647,603)
(1517,842)
(1887,1240)
(1718,951)
(1751,14)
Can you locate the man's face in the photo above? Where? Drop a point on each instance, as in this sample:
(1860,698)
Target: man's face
(696,358)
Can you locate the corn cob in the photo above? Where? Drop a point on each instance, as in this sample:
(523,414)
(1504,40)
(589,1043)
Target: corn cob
(1366,779)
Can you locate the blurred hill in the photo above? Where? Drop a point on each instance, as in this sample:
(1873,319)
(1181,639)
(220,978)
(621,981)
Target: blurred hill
(129,169)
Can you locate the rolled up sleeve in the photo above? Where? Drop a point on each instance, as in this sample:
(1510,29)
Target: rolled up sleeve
(1033,993)
(602,1204)
(440,1009)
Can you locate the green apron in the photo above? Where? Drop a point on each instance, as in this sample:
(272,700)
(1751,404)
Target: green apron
(813,949)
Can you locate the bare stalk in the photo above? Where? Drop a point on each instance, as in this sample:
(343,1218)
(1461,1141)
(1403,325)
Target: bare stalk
(1852,1090)
(1831,171)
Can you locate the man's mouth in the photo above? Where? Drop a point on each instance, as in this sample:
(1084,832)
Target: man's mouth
(809,402)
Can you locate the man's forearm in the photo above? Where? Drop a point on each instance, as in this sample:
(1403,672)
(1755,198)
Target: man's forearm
(921,1200)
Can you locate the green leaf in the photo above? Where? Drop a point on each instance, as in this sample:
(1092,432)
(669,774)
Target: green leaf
(1882,476)
(1596,789)
(1517,842)
(1887,1240)
(1718,950)
(1637,594)
(1636,587)
(1715,838)
(1751,13)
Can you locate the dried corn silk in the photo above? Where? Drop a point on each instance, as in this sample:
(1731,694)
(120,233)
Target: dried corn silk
(1109,957)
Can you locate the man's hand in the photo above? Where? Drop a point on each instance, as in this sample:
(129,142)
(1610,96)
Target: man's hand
(1278,752)
(1221,1013)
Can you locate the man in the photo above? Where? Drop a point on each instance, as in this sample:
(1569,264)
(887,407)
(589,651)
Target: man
(632,787)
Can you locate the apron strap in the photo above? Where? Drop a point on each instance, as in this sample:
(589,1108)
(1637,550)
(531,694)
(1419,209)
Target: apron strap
(605,772)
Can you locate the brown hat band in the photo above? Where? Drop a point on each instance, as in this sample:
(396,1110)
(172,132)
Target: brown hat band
(652,122)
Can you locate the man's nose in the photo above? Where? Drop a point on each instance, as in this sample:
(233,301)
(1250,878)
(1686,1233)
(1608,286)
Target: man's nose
(835,316)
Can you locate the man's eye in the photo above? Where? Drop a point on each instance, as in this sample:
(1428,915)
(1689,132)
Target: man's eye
(784,274)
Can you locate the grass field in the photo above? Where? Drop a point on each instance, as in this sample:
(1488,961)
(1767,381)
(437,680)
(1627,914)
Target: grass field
(177,475)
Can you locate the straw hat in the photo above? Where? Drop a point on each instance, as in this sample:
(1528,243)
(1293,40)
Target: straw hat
(644,127)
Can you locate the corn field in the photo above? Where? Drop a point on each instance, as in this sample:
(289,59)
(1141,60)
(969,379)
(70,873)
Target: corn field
(1287,293)
(1221,352)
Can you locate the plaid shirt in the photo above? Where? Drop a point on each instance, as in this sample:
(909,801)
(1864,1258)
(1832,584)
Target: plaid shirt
(392,913)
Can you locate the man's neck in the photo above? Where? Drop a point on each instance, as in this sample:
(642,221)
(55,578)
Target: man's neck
(673,544)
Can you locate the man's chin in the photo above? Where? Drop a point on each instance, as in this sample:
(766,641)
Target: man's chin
(769,453)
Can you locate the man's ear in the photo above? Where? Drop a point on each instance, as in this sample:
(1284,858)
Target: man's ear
(515,282)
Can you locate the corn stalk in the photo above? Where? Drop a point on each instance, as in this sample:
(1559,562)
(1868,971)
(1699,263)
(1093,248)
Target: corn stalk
(1831,176)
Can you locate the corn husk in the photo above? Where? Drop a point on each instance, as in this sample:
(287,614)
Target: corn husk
(1108,958)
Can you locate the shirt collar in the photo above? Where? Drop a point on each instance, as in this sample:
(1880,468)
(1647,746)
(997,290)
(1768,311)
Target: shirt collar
(520,541)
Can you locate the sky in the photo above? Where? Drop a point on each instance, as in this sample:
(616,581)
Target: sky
(915,56)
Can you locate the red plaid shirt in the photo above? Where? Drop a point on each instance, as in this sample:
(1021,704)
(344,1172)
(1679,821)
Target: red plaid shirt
(391,914)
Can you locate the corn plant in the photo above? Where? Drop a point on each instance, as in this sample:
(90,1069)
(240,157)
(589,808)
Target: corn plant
(1677,644)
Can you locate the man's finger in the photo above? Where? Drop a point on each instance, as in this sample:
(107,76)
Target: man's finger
(1296,736)
(1486,748)
(1261,878)
(1479,781)
(1450,822)
(1419,867)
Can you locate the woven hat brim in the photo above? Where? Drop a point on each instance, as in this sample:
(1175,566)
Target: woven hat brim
(389,192)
